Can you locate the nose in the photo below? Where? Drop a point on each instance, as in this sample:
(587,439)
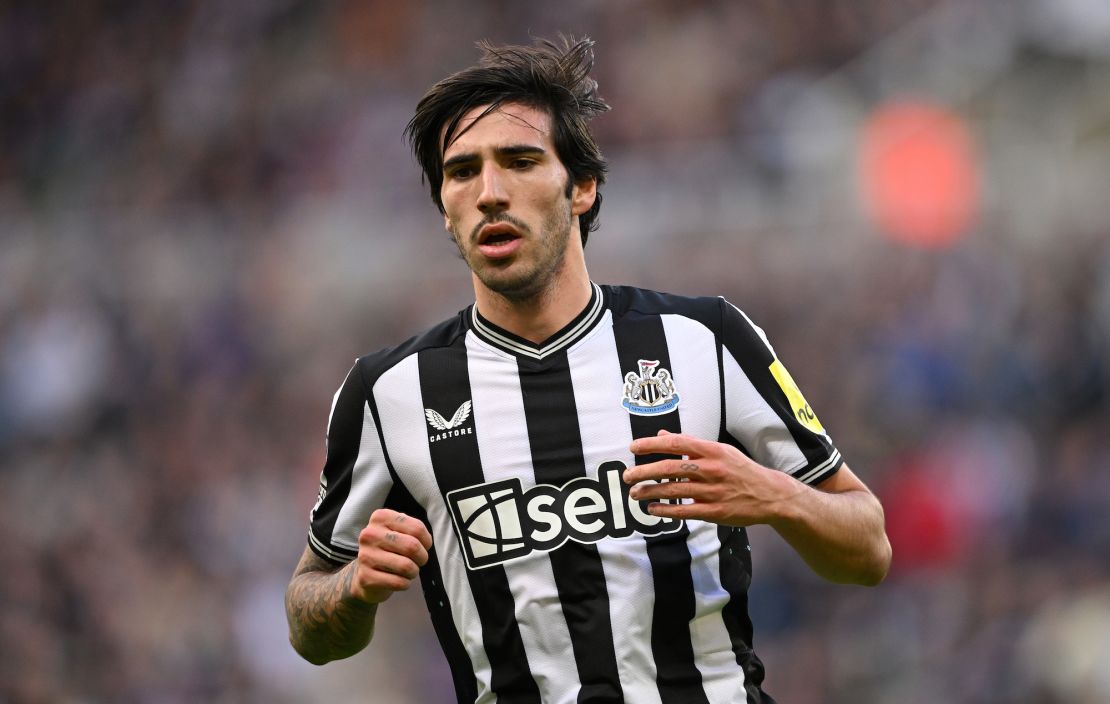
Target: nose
(493,197)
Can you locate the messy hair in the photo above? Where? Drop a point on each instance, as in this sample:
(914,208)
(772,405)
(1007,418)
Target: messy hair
(548,76)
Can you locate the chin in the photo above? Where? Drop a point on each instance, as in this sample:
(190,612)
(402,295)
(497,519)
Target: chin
(515,286)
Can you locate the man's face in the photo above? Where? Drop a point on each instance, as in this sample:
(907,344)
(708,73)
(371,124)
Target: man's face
(505,199)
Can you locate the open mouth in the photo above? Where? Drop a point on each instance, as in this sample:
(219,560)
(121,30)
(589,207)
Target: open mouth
(498,240)
(497,232)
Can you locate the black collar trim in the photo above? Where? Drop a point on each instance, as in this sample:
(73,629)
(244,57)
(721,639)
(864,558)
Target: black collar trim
(514,344)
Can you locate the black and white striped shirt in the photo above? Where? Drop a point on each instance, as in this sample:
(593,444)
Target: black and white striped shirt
(546,582)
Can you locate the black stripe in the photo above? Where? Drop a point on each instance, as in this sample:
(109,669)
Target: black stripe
(438,602)
(556,444)
(431,579)
(751,353)
(736,569)
(444,386)
(736,578)
(343,441)
(642,337)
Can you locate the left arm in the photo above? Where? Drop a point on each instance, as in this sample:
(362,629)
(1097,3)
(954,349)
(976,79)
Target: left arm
(837,527)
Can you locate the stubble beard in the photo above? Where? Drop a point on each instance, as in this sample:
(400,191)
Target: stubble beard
(515,281)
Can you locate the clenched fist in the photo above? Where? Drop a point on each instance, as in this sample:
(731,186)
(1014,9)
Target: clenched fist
(391,550)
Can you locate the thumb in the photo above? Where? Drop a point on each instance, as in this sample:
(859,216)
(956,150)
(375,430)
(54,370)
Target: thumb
(664,431)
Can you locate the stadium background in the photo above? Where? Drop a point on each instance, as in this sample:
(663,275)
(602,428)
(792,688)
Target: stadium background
(207,211)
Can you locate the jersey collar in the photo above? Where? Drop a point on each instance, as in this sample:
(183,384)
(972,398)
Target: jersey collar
(514,344)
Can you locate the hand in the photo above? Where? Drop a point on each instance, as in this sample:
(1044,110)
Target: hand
(391,550)
(726,486)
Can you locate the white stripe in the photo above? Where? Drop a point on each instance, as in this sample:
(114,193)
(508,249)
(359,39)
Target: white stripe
(819,468)
(370,483)
(722,678)
(693,352)
(606,434)
(752,421)
(505,453)
(554,346)
(406,433)
(338,557)
(335,398)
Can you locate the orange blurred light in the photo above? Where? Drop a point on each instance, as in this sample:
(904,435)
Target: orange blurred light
(918,175)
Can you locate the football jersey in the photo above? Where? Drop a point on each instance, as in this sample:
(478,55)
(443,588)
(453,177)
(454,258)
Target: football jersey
(547,582)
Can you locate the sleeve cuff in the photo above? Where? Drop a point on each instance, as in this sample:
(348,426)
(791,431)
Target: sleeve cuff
(815,474)
(338,555)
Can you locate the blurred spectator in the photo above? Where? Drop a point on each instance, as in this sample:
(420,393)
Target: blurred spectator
(206,211)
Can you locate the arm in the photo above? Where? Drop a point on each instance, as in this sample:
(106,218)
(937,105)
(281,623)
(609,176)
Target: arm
(331,609)
(837,528)
(325,621)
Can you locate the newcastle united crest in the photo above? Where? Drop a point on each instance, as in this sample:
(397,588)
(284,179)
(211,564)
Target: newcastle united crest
(651,391)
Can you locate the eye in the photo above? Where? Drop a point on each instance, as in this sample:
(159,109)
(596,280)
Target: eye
(521,163)
(461,172)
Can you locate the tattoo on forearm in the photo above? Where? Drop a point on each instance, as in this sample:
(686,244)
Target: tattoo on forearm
(325,623)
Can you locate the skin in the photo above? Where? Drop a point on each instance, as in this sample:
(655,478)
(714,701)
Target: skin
(836,527)
(504,166)
(331,609)
(502,170)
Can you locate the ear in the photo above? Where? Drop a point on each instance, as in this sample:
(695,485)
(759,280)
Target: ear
(583,195)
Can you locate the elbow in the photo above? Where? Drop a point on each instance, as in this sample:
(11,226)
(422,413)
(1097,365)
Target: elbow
(866,569)
(879,564)
(316,658)
(876,566)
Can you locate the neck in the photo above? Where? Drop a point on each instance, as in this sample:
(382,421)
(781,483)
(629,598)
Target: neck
(540,316)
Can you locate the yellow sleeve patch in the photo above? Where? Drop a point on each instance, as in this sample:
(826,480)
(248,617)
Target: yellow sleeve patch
(798,404)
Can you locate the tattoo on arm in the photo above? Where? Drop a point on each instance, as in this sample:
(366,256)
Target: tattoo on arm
(325,622)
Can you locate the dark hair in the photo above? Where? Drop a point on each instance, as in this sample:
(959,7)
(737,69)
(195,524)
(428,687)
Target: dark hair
(546,76)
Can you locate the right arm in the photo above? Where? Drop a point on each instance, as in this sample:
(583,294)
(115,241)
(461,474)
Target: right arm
(325,621)
(331,608)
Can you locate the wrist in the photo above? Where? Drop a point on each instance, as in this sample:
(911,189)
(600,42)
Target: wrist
(350,594)
(784,506)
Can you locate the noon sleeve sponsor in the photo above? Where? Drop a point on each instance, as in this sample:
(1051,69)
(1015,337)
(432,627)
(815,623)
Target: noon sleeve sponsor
(766,410)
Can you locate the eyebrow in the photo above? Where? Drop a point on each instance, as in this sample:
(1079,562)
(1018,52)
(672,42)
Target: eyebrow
(508,150)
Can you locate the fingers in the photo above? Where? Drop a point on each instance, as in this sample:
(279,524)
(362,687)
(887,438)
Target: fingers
(650,491)
(398,534)
(403,523)
(391,550)
(392,563)
(686,469)
(684,512)
(668,443)
(378,574)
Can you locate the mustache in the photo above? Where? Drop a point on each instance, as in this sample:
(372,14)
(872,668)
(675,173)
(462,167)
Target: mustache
(496,218)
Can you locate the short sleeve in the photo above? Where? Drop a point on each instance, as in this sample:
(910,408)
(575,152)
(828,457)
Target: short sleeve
(765,411)
(355,480)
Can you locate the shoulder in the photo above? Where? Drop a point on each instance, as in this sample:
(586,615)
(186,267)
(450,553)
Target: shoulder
(447,333)
(629,300)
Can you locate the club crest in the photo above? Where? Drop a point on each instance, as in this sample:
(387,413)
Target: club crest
(651,391)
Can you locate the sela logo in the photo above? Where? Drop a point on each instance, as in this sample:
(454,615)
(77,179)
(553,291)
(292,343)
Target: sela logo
(499,521)
(651,392)
(451,427)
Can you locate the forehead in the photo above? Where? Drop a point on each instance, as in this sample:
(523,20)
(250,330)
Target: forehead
(511,124)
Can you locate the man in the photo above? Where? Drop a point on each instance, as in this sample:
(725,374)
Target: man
(568,467)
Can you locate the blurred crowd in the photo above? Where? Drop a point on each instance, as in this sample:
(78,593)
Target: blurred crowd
(207,211)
